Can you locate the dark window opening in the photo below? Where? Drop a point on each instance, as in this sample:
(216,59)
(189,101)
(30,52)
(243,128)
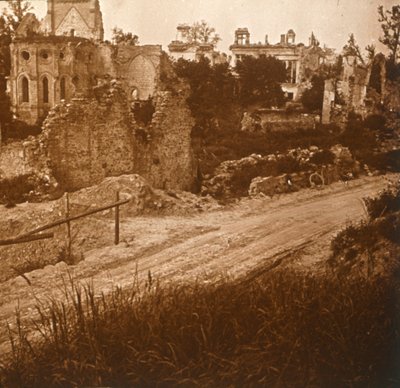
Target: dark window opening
(44,55)
(25,89)
(26,55)
(45,83)
(63,89)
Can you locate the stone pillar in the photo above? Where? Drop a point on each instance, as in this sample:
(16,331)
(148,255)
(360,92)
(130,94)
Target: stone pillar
(329,99)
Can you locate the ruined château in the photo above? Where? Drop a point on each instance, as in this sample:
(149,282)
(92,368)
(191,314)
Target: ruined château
(183,47)
(300,60)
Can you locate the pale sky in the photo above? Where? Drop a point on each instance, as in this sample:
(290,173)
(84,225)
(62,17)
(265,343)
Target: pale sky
(155,21)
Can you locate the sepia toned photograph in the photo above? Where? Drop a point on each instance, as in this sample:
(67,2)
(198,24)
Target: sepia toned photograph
(200,193)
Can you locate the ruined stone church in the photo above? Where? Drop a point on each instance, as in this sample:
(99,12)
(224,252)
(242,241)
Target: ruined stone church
(88,91)
(64,56)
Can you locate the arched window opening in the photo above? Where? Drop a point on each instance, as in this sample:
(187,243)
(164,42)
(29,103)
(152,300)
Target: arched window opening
(76,81)
(45,83)
(63,94)
(25,89)
(135,94)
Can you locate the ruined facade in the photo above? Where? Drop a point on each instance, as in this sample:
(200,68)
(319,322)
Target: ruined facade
(348,92)
(297,57)
(183,47)
(81,18)
(63,56)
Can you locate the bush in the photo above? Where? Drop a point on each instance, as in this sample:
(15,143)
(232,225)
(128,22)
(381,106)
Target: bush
(312,99)
(18,130)
(386,203)
(370,243)
(16,190)
(386,161)
(375,122)
(284,329)
(358,139)
(323,157)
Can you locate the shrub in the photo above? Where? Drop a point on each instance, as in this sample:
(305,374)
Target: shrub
(323,157)
(387,202)
(356,243)
(386,161)
(16,190)
(358,139)
(312,99)
(18,130)
(375,122)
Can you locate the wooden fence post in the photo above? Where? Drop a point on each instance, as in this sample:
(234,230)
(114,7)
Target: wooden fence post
(67,214)
(116,240)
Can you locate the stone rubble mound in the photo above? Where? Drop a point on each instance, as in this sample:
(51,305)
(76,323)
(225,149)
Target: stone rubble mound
(269,174)
(144,200)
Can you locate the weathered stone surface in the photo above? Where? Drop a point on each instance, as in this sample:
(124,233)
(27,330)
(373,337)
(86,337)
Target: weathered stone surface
(90,139)
(269,185)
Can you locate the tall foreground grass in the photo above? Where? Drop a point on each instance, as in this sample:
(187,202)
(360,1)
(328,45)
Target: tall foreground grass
(285,329)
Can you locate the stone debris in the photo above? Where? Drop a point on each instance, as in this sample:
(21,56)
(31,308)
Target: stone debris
(268,174)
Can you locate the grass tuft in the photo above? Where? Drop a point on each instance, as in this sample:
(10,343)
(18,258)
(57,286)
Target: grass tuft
(285,329)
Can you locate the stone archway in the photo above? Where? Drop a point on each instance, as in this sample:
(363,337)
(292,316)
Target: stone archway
(142,76)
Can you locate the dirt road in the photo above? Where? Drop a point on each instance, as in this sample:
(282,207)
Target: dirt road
(253,234)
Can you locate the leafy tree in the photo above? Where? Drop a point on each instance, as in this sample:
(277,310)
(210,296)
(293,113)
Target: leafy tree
(9,22)
(212,89)
(371,52)
(260,80)
(12,17)
(312,99)
(201,32)
(121,37)
(390,23)
(353,49)
(375,81)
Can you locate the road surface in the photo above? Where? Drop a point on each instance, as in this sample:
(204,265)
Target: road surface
(253,235)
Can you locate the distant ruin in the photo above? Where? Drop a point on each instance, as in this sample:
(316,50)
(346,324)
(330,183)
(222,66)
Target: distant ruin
(300,60)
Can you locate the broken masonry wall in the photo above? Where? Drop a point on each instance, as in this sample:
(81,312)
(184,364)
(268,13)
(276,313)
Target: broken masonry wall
(24,157)
(90,139)
(166,158)
(136,67)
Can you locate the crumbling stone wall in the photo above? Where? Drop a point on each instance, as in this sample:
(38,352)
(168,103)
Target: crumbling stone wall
(90,139)
(167,159)
(269,120)
(137,67)
(23,158)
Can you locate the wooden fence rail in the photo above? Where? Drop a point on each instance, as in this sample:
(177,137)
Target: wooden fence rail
(34,236)
(16,241)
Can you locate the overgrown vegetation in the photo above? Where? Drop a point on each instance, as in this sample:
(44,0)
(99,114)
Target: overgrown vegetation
(260,80)
(372,245)
(313,98)
(234,144)
(16,190)
(10,18)
(284,329)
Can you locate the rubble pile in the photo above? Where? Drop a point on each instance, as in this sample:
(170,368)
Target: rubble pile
(143,199)
(279,172)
